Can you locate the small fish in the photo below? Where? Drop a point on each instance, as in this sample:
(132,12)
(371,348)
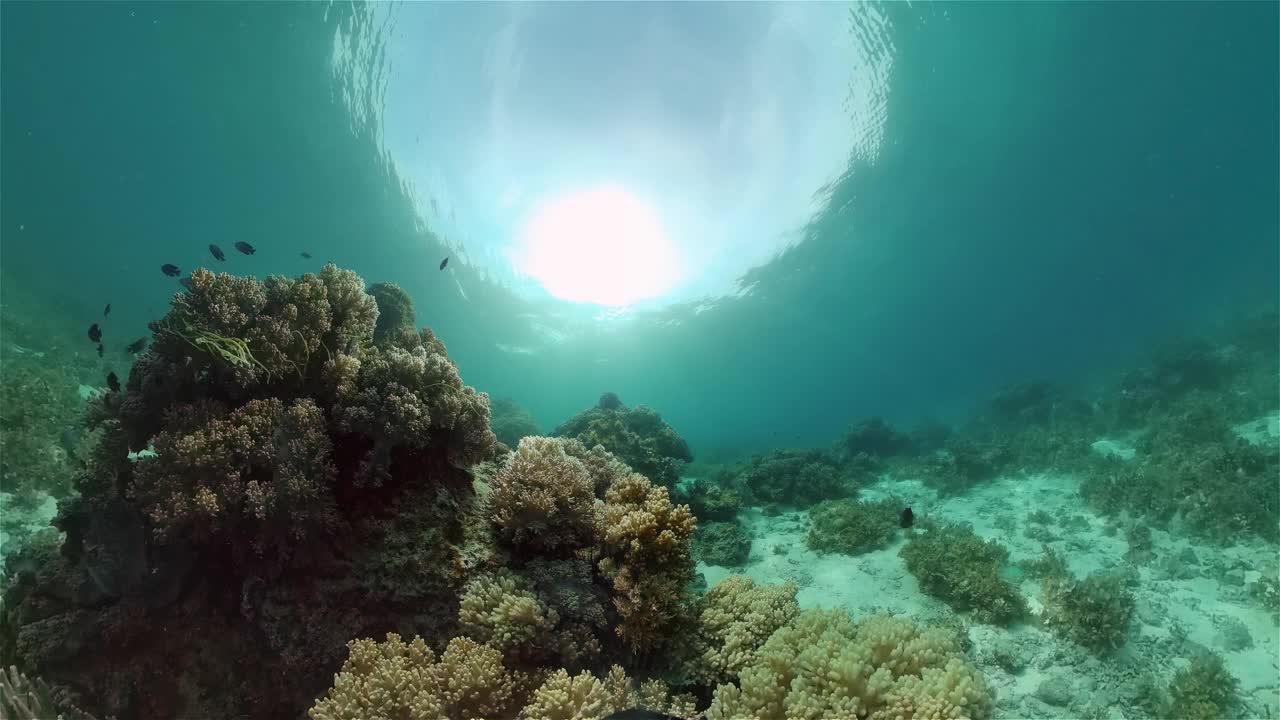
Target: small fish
(113,382)
(639,714)
(99,349)
(907,518)
(136,346)
(217,252)
(306,255)
(170,269)
(443,263)
(245,248)
(106,310)
(95,333)
(185,282)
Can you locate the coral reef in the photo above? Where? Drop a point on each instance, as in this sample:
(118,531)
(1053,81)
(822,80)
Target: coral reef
(823,665)
(38,406)
(1203,690)
(965,462)
(722,543)
(543,500)
(736,619)
(395,311)
(1094,612)
(955,565)
(872,437)
(510,422)
(1191,464)
(304,487)
(645,542)
(637,436)
(713,499)
(395,679)
(795,477)
(852,526)
(585,697)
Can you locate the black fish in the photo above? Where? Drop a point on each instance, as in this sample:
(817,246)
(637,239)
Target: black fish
(136,346)
(907,518)
(217,252)
(95,333)
(170,269)
(99,349)
(443,263)
(306,255)
(185,282)
(245,248)
(106,310)
(113,382)
(639,714)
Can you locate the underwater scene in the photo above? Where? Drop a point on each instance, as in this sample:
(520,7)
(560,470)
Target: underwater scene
(639,360)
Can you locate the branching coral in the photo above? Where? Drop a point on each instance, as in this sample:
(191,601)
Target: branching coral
(395,311)
(410,396)
(395,679)
(823,666)
(543,500)
(266,406)
(1094,612)
(499,612)
(796,477)
(722,543)
(645,540)
(262,472)
(873,437)
(852,527)
(38,403)
(737,618)
(585,697)
(637,436)
(1204,690)
(955,565)
(711,499)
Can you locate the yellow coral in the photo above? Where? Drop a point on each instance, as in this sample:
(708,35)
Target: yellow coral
(646,542)
(496,610)
(824,666)
(394,679)
(737,618)
(584,697)
(543,498)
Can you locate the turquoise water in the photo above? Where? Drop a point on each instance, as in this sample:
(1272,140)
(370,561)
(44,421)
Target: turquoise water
(804,215)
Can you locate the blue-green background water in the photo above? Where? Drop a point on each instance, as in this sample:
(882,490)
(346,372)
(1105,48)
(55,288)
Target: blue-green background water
(1056,186)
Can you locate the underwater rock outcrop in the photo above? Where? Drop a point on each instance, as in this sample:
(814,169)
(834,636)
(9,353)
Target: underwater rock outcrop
(301,485)
(637,436)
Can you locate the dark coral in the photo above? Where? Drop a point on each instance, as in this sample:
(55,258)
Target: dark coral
(796,478)
(953,564)
(395,311)
(872,437)
(852,527)
(637,436)
(722,543)
(303,486)
(713,499)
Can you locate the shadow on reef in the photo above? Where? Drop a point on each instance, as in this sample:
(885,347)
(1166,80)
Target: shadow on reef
(293,484)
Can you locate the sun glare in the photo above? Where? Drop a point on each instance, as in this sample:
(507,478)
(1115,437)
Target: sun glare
(603,245)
